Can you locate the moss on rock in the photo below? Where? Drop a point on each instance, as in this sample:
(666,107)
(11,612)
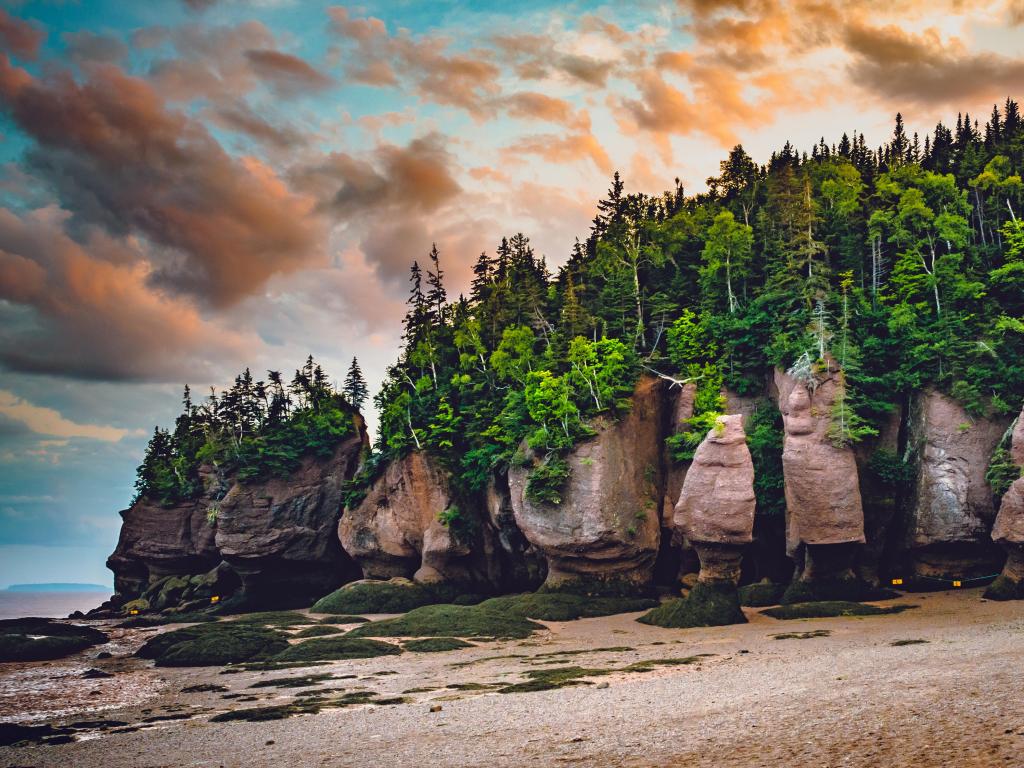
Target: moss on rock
(708,605)
(394,596)
(274,619)
(832,590)
(335,648)
(1004,589)
(213,645)
(565,606)
(42,639)
(450,621)
(762,594)
(831,609)
(319,630)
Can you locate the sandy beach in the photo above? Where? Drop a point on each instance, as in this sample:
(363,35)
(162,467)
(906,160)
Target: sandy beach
(855,692)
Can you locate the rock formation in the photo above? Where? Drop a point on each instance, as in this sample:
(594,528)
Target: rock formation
(1008,530)
(397,529)
(716,504)
(606,528)
(951,515)
(825,519)
(279,535)
(275,538)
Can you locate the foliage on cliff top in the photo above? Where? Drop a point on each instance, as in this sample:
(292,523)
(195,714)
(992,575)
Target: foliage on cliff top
(253,430)
(903,264)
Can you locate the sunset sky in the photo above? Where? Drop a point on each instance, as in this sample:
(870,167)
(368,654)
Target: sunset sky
(189,187)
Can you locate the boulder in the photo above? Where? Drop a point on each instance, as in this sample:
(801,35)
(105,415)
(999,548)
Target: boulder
(397,529)
(952,512)
(1008,530)
(279,534)
(606,528)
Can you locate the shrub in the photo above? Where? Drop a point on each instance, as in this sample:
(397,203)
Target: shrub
(546,481)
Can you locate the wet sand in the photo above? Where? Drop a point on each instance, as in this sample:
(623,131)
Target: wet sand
(850,698)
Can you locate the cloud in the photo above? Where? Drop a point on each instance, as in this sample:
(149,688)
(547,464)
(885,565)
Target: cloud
(19,37)
(412,179)
(539,106)
(563,149)
(241,118)
(88,310)
(287,75)
(909,68)
(47,421)
(119,159)
(536,57)
(85,46)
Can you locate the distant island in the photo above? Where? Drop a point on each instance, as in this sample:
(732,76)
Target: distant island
(58,587)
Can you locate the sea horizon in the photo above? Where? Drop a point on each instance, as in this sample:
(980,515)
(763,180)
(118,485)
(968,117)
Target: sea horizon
(47,604)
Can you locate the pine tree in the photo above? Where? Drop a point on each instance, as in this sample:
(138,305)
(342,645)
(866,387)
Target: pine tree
(355,389)
(437,297)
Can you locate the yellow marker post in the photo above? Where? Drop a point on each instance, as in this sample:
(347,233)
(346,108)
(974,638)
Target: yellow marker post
(957,584)
(133,612)
(897,582)
(215,599)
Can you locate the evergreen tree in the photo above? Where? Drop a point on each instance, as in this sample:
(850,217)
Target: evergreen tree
(355,389)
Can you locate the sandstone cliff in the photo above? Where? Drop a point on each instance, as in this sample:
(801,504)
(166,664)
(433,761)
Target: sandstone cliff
(951,514)
(607,526)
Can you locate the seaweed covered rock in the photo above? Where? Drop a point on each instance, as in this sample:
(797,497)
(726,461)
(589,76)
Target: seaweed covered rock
(409,525)
(1008,530)
(709,604)
(396,595)
(950,519)
(605,528)
(279,534)
(716,513)
(216,644)
(451,621)
(337,648)
(34,639)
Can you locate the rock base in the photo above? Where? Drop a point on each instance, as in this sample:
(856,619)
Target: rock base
(1009,585)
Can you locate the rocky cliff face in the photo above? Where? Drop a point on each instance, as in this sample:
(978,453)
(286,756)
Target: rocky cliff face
(607,526)
(952,512)
(1008,530)
(275,538)
(822,490)
(280,535)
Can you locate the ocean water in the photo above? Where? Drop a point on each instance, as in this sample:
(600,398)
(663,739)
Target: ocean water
(15,605)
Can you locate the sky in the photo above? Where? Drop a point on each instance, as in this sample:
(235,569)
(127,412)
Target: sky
(190,187)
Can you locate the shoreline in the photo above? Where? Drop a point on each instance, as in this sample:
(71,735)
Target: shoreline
(927,687)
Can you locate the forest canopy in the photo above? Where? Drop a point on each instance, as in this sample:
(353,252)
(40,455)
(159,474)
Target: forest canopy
(904,263)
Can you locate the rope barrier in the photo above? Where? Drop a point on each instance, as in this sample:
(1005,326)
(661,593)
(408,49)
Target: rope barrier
(955,583)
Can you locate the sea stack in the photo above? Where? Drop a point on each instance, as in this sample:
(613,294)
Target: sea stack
(1008,530)
(824,515)
(716,506)
(716,514)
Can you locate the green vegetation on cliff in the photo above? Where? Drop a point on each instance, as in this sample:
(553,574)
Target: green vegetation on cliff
(905,264)
(254,430)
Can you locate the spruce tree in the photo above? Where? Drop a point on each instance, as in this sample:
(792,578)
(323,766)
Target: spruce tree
(355,389)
